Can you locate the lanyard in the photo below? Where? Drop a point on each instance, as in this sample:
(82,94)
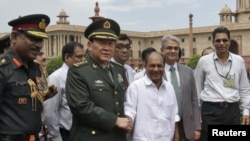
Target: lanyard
(228,70)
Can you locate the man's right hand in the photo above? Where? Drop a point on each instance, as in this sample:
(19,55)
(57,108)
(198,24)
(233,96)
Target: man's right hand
(125,123)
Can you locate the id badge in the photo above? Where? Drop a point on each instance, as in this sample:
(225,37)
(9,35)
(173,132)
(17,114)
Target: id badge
(228,83)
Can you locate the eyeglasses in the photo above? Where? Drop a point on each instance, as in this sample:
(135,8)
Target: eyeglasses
(121,46)
(171,48)
(223,40)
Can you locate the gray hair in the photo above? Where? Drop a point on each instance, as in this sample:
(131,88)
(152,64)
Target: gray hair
(166,38)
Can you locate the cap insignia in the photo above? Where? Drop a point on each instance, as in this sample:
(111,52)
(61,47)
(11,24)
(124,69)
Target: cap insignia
(42,24)
(106,24)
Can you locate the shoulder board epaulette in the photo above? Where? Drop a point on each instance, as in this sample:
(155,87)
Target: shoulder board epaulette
(116,64)
(3,61)
(79,64)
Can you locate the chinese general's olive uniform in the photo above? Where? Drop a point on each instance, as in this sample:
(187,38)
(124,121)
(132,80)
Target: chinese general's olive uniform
(95,101)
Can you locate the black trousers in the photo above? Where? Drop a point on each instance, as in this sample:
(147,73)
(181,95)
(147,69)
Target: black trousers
(65,134)
(218,113)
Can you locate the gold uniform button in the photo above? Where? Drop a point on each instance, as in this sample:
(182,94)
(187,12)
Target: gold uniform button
(117,103)
(115,92)
(93,132)
(118,114)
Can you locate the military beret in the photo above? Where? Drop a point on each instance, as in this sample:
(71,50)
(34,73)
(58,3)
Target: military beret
(4,43)
(103,29)
(34,25)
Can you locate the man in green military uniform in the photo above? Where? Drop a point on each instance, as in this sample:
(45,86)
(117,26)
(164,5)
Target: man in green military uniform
(20,95)
(95,89)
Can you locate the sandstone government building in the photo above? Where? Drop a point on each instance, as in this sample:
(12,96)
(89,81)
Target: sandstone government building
(193,39)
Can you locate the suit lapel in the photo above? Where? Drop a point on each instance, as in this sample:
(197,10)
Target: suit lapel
(104,74)
(100,71)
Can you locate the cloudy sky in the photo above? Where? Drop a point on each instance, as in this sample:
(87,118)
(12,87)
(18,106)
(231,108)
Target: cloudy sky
(134,15)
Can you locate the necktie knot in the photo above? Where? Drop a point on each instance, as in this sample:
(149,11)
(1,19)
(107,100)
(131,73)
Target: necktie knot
(172,69)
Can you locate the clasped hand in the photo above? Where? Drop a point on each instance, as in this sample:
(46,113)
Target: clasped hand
(125,123)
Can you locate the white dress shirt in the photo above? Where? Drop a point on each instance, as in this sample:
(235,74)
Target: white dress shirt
(210,83)
(140,74)
(153,111)
(56,109)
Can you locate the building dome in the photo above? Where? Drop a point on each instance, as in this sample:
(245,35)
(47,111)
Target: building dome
(226,10)
(62,14)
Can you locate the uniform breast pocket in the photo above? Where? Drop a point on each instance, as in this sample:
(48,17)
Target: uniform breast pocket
(100,88)
(21,95)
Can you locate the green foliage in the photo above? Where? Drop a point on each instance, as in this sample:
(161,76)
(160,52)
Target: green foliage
(54,64)
(193,61)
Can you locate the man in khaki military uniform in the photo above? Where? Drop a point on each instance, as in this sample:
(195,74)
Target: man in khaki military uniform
(95,89)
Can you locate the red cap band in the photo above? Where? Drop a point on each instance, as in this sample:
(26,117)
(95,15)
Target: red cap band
(18,27)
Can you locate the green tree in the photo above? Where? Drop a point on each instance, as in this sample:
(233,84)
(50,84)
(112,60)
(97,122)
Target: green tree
(54,64)
(193,61)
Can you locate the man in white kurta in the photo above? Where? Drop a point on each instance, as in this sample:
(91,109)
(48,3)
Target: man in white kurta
(153,109)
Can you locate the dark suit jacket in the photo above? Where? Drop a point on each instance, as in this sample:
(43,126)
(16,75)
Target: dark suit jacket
(190,106)
(95,101)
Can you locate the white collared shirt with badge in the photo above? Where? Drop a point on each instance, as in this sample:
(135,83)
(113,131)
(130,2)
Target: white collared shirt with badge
(223,82)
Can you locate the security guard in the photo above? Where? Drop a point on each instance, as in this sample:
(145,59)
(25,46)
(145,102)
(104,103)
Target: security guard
(20,79)
(95,89)
(4,43)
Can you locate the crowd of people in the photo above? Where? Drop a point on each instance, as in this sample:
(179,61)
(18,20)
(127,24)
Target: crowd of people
(96,96)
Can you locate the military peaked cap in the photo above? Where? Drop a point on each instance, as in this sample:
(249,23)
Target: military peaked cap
(103,29)
(34,25)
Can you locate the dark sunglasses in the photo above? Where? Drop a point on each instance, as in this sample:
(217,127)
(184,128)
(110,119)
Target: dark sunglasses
(223,40)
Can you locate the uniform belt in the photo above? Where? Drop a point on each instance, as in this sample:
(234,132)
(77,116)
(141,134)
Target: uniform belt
(6,137)
(221,104)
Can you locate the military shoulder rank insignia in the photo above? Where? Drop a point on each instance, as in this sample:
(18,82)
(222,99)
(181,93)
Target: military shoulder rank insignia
(3,61)
(117,64)
(79,64)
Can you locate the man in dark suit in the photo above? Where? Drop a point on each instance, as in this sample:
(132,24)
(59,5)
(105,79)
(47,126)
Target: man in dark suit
(189,126)
(95,89)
